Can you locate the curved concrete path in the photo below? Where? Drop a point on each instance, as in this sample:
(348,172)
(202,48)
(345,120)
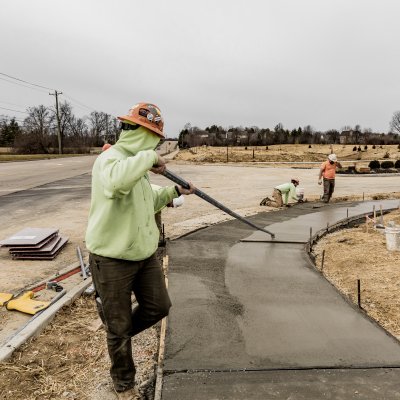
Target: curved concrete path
(253,320)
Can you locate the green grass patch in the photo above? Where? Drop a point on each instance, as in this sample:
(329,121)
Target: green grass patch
(32,157)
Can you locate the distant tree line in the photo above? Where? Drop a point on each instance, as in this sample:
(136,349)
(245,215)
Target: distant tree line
(38,132)
(192,136)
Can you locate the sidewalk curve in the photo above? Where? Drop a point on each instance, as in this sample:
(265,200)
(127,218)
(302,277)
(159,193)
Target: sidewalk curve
(254,320)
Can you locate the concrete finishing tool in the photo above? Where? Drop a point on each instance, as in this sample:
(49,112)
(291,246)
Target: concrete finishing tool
(177,179)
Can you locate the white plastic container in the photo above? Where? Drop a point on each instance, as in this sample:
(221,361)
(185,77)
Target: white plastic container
(393,238)
(300,193)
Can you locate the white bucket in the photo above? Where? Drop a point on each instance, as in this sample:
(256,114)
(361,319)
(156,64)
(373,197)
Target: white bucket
(393,238)
(300,193)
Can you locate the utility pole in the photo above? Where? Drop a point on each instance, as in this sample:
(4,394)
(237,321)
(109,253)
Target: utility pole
(227,152)
(60,150)
(107,128)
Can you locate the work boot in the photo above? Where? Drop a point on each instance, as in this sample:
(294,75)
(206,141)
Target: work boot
(130,394)
(265,201)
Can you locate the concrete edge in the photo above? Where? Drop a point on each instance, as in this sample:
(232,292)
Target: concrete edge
(161,347)
(36,326)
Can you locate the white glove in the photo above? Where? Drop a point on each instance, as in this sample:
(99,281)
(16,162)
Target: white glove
(178,201)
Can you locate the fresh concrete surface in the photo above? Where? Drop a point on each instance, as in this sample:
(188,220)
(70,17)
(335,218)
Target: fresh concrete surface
(261,306)
(299,228)
(336,384)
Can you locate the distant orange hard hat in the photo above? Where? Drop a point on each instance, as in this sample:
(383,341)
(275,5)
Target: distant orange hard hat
(106,146)
(147,115)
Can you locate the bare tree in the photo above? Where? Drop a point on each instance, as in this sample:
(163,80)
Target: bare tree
(333,136)
(98,122)
(395,122)
(79,135)
(36,137)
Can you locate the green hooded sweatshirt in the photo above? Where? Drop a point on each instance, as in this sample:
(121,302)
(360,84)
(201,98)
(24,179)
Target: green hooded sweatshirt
(121,219)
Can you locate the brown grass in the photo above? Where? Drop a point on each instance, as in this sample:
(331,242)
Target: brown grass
(285,153)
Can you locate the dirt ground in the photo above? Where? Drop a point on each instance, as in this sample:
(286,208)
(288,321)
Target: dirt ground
(69,360)
(286,153)
(353,254)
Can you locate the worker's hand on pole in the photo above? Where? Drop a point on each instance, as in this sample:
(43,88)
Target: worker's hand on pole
(160,167)
(191,189)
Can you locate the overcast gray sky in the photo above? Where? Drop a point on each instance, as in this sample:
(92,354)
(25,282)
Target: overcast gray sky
(324,63)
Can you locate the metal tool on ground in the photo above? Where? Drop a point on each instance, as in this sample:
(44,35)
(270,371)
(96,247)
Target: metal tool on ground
(175,178)
(89,290)
(84,270)
(52,285)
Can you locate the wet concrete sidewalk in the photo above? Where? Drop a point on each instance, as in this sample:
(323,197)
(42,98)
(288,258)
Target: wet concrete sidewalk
(254,320)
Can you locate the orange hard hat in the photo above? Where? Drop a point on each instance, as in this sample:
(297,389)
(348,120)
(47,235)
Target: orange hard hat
(106,146)
(147,115)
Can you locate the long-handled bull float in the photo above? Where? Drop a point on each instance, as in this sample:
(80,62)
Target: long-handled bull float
(180,181)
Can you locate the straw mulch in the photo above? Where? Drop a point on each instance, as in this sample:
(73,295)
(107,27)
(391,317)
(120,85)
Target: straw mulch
(69,360)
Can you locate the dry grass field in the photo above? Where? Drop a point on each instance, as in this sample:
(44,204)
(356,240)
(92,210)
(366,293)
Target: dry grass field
(299,153)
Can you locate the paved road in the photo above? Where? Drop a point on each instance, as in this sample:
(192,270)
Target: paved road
(261,311)
(22,175)
(17,176)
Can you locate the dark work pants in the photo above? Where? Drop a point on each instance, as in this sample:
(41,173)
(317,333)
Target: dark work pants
(329,187)
(114,281)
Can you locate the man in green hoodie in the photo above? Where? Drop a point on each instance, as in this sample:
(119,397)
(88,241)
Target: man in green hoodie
(282,194)
(122,238)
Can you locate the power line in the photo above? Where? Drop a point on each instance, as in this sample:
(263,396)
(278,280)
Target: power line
(10,117)
(13,104)
(9,109)
(20,84)
(79,103)
(40,88)
(29,83)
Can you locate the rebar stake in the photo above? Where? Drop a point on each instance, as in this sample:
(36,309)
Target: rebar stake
(359,293)
(323,260)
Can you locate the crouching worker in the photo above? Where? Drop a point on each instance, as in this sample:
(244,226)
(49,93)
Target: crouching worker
(282,194)
(122,238)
